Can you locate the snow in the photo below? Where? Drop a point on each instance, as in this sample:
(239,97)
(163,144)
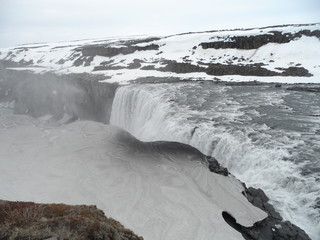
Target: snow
(157,194)
(304,52)
(38,70)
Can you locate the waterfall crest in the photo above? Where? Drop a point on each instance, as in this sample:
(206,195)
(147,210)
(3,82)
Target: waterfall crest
(230,126)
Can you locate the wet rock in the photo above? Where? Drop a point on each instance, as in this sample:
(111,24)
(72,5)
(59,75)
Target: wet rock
(215,166)
(271,211)
(271,228)
(287,231)
(253,193)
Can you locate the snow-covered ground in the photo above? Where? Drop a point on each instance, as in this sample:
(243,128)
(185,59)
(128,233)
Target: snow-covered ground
(157,194)
(302,51)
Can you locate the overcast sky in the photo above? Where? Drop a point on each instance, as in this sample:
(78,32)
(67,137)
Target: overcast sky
(29,21)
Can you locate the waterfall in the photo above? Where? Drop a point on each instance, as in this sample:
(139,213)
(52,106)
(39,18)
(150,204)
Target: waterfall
(221,129)
(147,115)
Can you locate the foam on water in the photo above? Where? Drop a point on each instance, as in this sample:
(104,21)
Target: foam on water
(263,135)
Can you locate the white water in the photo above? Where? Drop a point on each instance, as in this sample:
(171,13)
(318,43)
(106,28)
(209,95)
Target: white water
(159,194)
(235,129)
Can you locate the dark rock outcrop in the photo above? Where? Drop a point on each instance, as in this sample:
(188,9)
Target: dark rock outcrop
(87,53)
(28,220)
(106,51)
(148,67)
(255,70)
(252,83)
(109,66)
(305,89)
(214,166)
(173,66)
(135,64)
(271,228)
(296,72)
(244,70)
(224,69)
(256,41)
(85,61)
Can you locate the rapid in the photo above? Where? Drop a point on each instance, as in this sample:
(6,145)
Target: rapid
(267,137)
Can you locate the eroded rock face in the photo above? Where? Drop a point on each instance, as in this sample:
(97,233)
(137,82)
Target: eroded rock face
(304,89)
(273,227)
(231,69)
(214,166)
(254,42)
(245,70)
(79,95)
(28,220)
(173,66)
(106,51)
(86,54)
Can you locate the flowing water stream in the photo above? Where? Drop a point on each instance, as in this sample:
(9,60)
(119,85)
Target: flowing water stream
(267,137)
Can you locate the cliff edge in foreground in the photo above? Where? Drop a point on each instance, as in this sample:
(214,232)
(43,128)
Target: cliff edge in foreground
(28,220)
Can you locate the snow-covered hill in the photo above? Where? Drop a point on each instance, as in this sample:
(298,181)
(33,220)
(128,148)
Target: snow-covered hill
(288,53)
(150,188)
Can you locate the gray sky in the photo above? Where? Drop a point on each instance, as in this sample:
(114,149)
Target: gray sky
(29,21)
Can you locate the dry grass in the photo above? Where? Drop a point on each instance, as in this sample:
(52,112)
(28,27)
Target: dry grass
(27,220)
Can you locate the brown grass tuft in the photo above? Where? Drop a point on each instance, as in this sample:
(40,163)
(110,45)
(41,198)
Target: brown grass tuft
(27,220)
